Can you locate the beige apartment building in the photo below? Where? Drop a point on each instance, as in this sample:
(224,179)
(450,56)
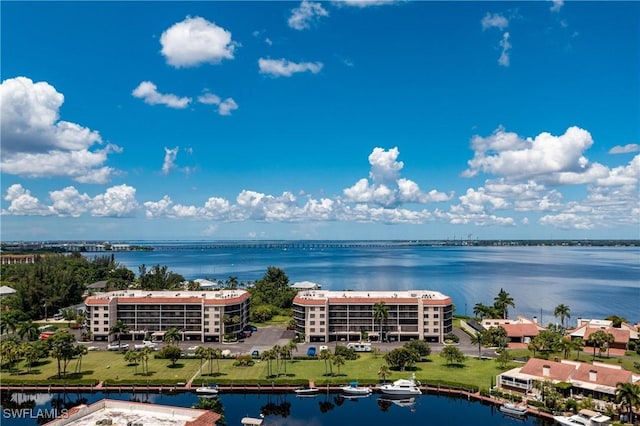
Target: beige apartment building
(204,316)
(324,316)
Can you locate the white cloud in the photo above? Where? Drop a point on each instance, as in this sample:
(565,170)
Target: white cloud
(625,149)
(224,106)
(149,93)
(36,143)
(195,41)
(364,3)
(557,5)
(22,203)
(494,20)
(69,202)
(549,158)
(387,189)
(506,46)
(285,68)
(117,201)
(169,160)
(567,221)
(306,14)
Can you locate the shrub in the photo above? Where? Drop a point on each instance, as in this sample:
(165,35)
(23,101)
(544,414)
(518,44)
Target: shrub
(451,337)
(346,353)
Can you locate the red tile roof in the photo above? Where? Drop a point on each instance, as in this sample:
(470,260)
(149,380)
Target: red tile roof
(606,376)
(620,335)
(207,419)
(557,371)
(521,330)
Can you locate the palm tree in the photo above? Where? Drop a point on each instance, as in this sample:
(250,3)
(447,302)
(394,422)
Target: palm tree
(118,328)
(31,354)
(144,359)
(326,355)
(502,301)
(384,371)
(172,336)
(338,360)
(210,355)
(132,357)
(268,356)
(478,339)
(578,345)
(482,311)
(380,314)
(201,352)
(564,345)
(561,311)
(628,394)
(29,330)
(81,351)
(277,351)
(600,339)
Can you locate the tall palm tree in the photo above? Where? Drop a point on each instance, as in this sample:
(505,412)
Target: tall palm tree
(326,355)
(144,359)
(564,345)
(628,395)
(172,336)
(277,351)
(384,372)
(133,357)
(562,311)
(268,356)
(380,314)
(29,330)
(482,311)
(502,302)
(81,351)
(118,329)
(578,345)
(338,360)
(201,352)
(600,339)
(478,339)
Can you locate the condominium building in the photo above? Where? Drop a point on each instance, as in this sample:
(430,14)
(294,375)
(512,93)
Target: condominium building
(323,316)
(205,316)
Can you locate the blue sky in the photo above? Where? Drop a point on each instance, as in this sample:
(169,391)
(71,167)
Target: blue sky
(320,120)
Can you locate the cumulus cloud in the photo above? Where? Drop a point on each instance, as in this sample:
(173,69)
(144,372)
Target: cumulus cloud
(364,3)
(494,20)
(148,92)
(285,68)
(386,188)
(625,149)
(557,5)
(169,160)
(556,159)
(36,143)
(506,47)
(196,41)
(117,201)
(303,16)
(225,107)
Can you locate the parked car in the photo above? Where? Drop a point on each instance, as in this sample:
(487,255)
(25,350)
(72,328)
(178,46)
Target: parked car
(255,354)
(311,351)
(324,348)
(117,347)
(251,328)
(146,344)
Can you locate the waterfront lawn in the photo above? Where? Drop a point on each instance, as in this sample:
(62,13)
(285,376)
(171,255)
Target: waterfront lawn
(109,367)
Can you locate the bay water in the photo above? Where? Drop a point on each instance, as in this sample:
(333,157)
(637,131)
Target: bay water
(594,282)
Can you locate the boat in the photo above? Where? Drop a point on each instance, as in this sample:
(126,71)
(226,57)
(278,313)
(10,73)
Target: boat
(513,410)
(353,389)
(252,421)
(208,390)
(308,390)
(584,418)
(402,387)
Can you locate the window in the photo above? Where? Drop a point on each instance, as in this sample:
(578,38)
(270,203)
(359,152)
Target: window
(96,328)
(321,308)
(105,322)
(322,330)
(312,330)
(436,315)
(96,322)
(426,323)
(312,315)
(321,322)
(105,315)
(426,315)
(106,329)
(312,323)
(321,315)
(96,315)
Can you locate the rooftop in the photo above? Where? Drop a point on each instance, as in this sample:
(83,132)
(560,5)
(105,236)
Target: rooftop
(390,297)
(175,296)
(125,412)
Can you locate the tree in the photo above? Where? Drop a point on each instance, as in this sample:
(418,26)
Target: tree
(420,346)
(10,352)
(628,395)
(384,372)
(564,345)
(69,314)
(172,336)
(118,329)
(172,353)
(32,354)
(479,339)
(483,311)
(326,355)
(145,353)
(600,339)
(81,351)
(29,330)
(401,358)
(273,289)
(268,356)
(578,345)
(132,358)
(210,355)
(380,314)
(338,361)
(158,278)
(452,354)
(561,311)
(501,303)
(616,320)
(503,358)
(497,336)
(63,349)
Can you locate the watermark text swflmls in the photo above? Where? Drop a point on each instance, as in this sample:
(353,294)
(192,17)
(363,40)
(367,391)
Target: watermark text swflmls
(31,413)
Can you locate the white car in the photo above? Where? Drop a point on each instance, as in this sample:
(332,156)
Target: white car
(117,347)
(193,348)
(323,348)
(145,344)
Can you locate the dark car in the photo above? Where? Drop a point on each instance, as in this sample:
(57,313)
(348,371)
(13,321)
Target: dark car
(251,328)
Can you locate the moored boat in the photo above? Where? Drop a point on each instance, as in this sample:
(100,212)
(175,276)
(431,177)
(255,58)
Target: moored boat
(513,409)
(584,418)
(353,389)
(402,387)
(308,390)
(208,390)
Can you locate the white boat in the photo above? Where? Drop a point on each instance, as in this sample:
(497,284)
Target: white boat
(584,418)
(402,387)
(353,389)
(208,390)
(306,391)
(252,421)
(513,409)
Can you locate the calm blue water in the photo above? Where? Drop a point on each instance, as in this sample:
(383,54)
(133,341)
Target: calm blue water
(287,410)
(593,281)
